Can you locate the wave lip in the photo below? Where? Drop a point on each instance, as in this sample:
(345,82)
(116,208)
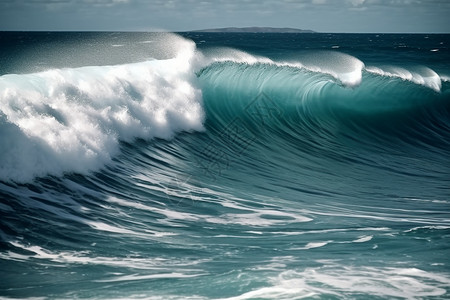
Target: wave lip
(344,68)
(419,75)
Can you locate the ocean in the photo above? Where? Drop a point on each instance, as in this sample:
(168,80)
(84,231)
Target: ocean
(224,166)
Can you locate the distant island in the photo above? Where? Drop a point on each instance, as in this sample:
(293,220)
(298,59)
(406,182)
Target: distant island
(255,30)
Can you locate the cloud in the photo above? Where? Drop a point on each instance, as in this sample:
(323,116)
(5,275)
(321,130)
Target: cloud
(319,15)
(357,2)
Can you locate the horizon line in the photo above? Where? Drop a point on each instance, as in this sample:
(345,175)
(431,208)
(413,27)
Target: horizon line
(307,31)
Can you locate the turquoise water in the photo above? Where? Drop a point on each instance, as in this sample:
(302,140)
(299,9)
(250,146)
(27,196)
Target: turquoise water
(224,166)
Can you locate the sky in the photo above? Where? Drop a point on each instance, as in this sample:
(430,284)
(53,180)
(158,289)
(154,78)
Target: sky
(365,16)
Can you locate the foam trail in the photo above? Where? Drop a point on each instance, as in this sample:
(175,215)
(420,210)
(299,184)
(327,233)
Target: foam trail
(71,120)
(407,283)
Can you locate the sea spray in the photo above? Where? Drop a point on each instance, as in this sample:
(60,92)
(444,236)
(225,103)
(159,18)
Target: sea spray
(71,120)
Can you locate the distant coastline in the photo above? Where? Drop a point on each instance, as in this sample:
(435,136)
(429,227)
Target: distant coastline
(256,30)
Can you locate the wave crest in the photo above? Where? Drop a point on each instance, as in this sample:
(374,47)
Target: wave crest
(66,120)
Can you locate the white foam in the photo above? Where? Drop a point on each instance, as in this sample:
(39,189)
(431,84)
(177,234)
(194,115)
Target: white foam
(86,257)
(431,227)
(312,245)
(316,232)
(244,216)
(419,75)
(248,216)
(344,282)
(135,277)
(445,78)
(169,213)
(109,228)
(363,239)
(71,120)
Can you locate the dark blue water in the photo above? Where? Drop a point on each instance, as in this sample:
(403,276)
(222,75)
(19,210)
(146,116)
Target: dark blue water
(224,166)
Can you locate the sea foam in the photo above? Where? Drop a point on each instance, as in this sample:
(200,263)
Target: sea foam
(71,120)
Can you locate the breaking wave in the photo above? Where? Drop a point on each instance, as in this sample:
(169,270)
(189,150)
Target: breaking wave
(73,119)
